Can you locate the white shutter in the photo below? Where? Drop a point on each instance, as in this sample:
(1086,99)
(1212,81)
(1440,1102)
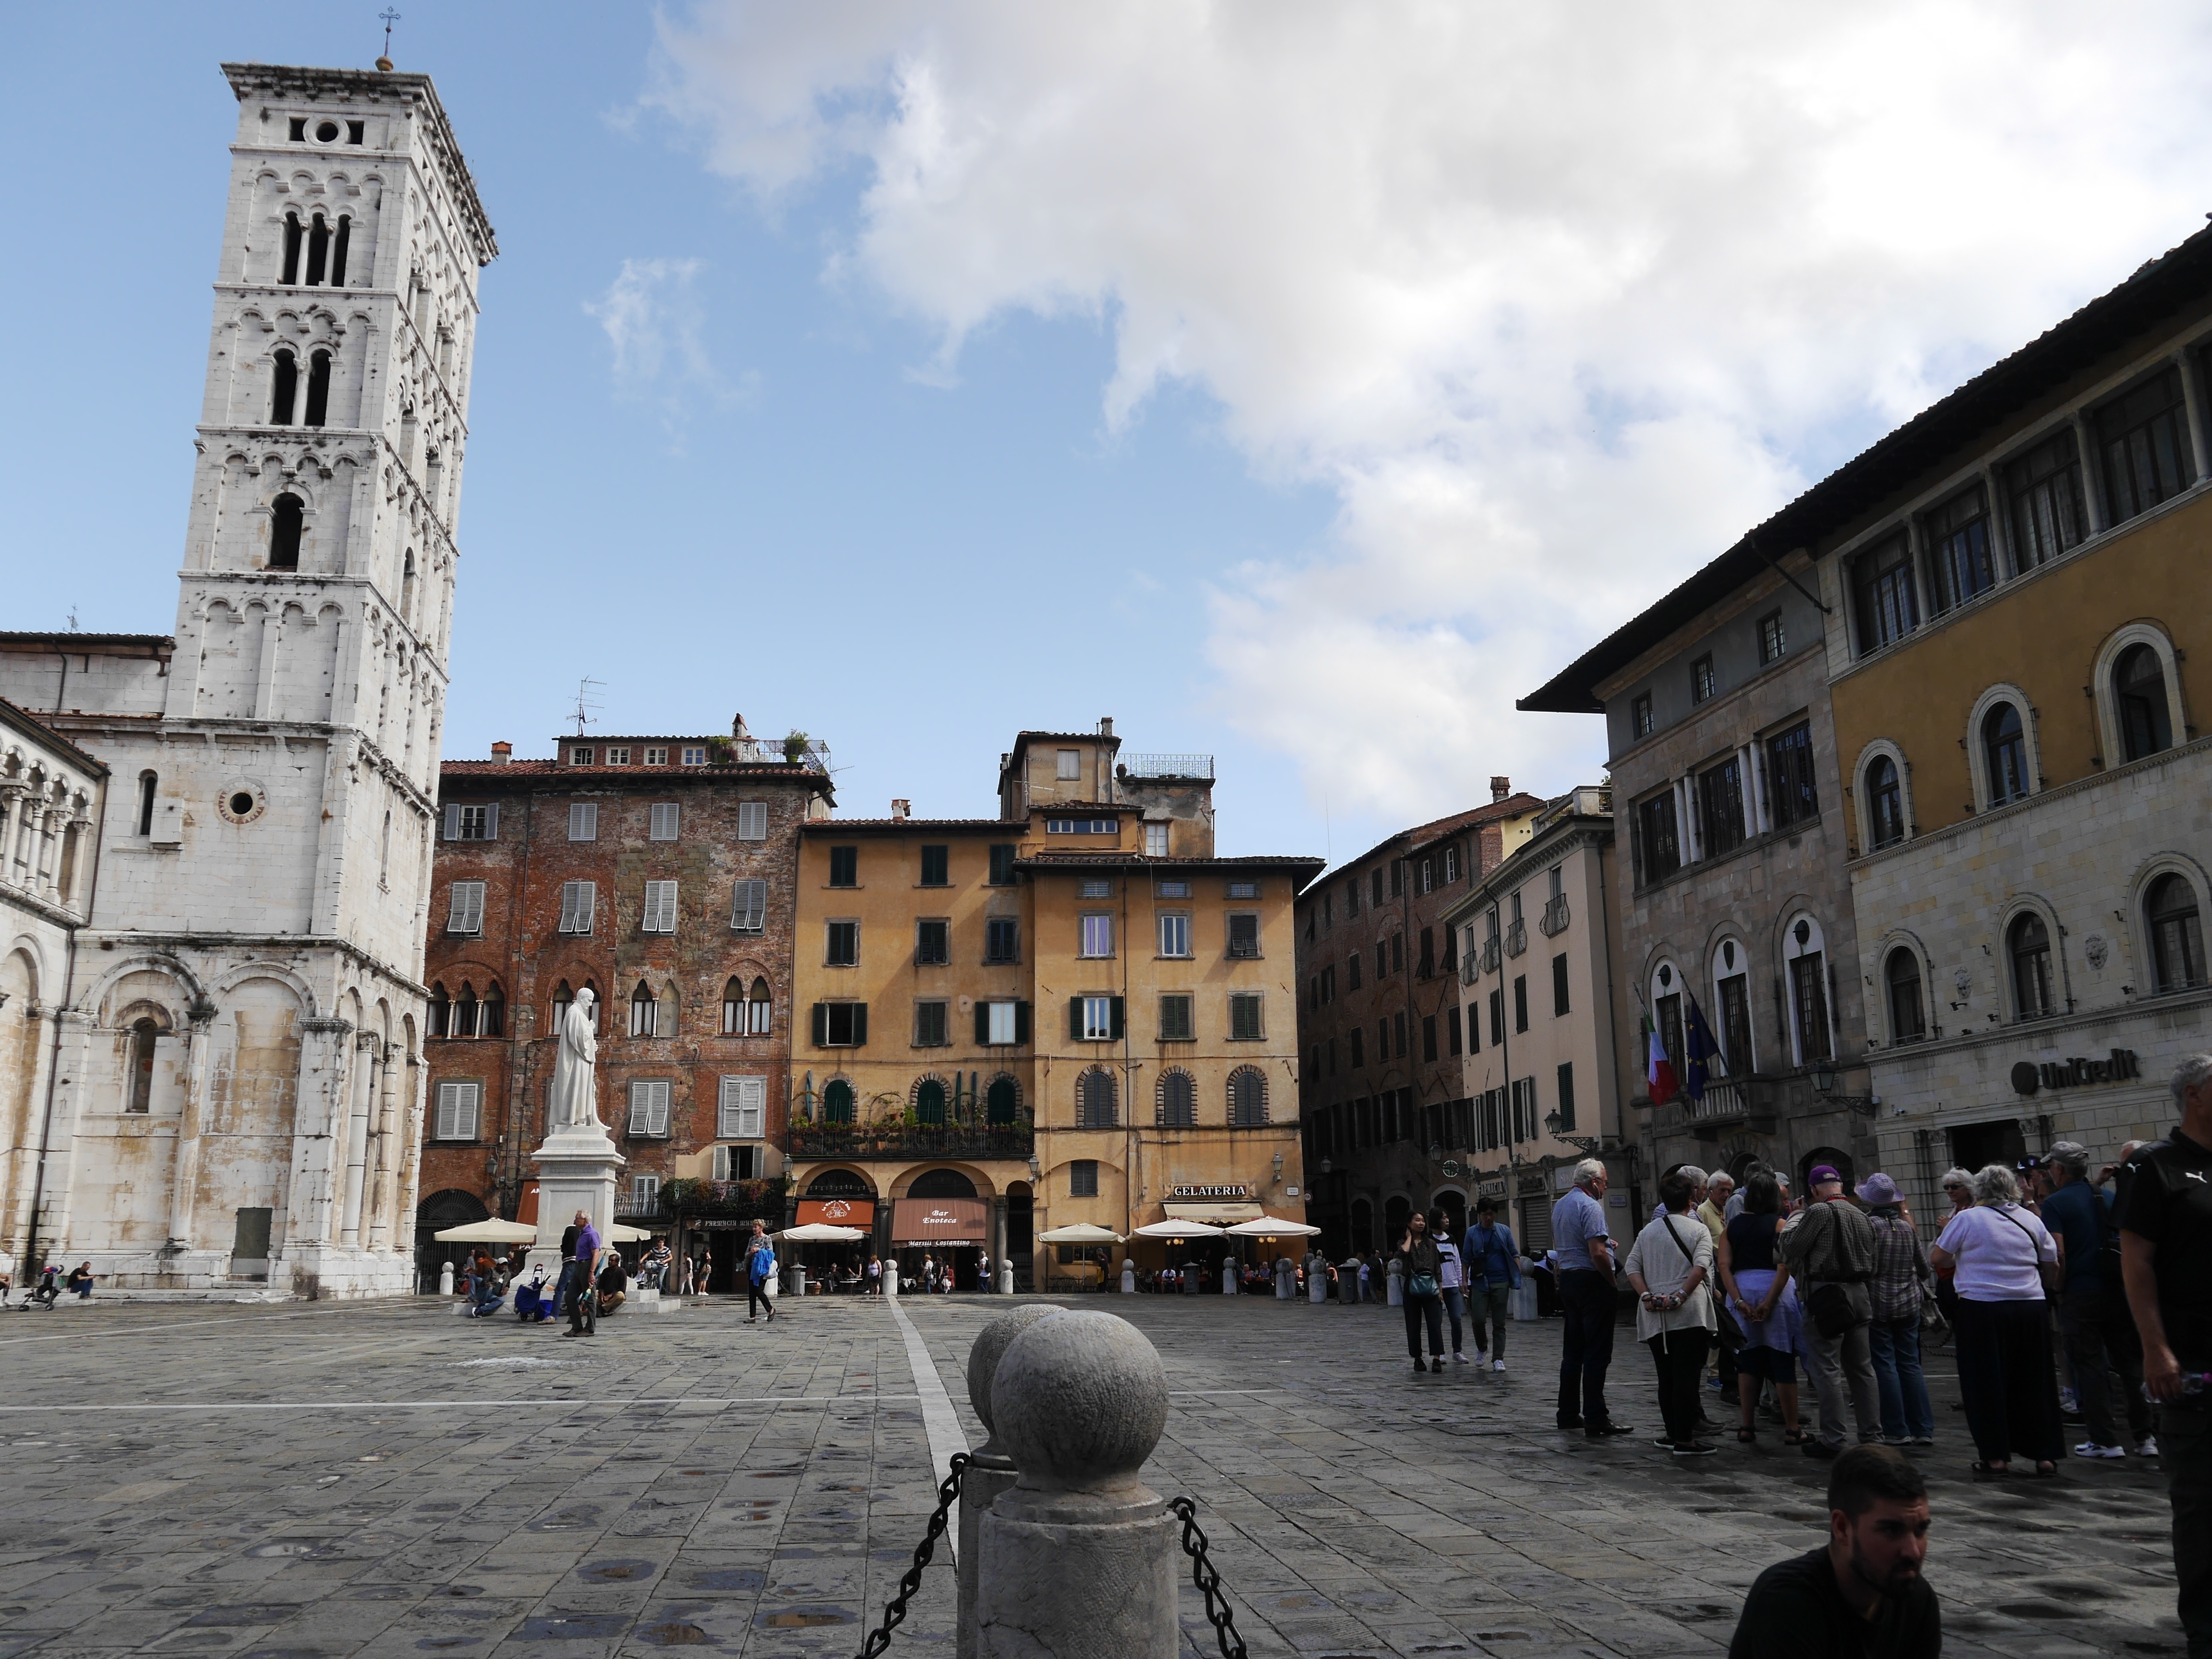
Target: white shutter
(648,1108)
(656,1107)
(722,1159)
(491,821)
(752,820)
(726,1111)
(752,1108)
(748,907)
(465,914)
(576,906)
(583,820)
(457,1111)
(660,906)
(452,821)
(664,821)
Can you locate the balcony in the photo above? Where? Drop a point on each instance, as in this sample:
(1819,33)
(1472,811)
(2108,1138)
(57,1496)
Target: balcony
(863,1142)
(1553,921)
(1166,766)
(1516,938)
(1730,1103)
(1490,956)
(744,1200)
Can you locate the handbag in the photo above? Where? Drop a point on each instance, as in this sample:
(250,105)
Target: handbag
(1422,1284)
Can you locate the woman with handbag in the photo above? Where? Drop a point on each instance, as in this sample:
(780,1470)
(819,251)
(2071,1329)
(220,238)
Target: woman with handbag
(1667,1268)
(1757,1281)
(2003,1262)
(1423,1265)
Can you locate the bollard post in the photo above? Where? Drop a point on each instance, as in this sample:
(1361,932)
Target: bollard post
(1077,1556)
(445,1280)
(1229,1278)
(1286,1278)
(1397,1283)
(1317,1278)
(990,1471)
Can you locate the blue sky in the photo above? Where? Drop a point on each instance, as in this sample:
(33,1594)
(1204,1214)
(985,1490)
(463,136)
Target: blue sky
(913,375)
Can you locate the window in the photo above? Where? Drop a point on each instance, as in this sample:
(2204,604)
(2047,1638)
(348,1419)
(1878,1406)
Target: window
(644,1012)
(1884,802)
(660,907)
(648,1110)
(1071,763)
(1245,1024)
(459,1105)
(1428,1036)
(752,820)
(1428,876)
(1735,1024)
(1095,1105)
(1960,563)
(287,519)
(936,865)
(2043,495)
(1640,718)
(1908,1017)
(464,913)
(760,1011)
(1559,987)
(491,1017)
(441,1013)
(582,755)
(1175,1025)
(2142,440)
(2027,942)
(841,943)
(577,898)
(147,784)
(1881,584)
(1375,882)
(2004,749)
(695,755)
(837,1101)
(1002,940)
(1659,853)
(739,1164)
(1808,983)
(2145,720)
(1156,841)
(1082,1177)
(664,821)
(1096,935)
(929,1028)
(1668,1012)
(318,388)
(1567,1097)
(1796,797)
(1002,864)
(2177,935)
(748,907)
(1773,641)
(284,390)
(1095,888)
(1095,1019)
(1079,826)
(463,1023)
(1248,1099)
(1497,1017)
(841,1024)
(1452,1029)
(1175,935)
(1520,1003)
(929,1103)
(1702,683)
(933,943)
(618,756)
(1352,965)
(644,1193)
(844,867)
(999,1023)
(1720,805)
(1524,1109)
(1172,889)
(1426,968)
(144,1034)
(656,757)
(733,1008)
(1397,953)
(1451,863)
(583,820)
(1359,1047)
(1244,935)
(1178,1107)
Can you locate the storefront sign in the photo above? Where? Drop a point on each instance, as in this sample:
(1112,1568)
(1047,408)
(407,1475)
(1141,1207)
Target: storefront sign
(2028,1076)
(926,1221)
(837,1211)
(1227,1190)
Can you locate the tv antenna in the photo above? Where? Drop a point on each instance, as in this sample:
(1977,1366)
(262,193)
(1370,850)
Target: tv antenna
(586,705)
(390,17)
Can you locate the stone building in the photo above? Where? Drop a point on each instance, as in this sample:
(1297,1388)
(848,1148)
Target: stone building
(1379,1022)
(264,860)
(1546,1017)
(660,874)
(1073,1013)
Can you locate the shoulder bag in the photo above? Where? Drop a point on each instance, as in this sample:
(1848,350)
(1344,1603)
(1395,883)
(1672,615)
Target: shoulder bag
(2046,1271)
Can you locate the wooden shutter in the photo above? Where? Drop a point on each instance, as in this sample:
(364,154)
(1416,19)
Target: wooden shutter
(449,1100)
(583,820)
(660,906)
(748,907)
(491,821)
(665,816)
(452,821)
(722,1159)
(726,1111)
(860,1025)
(821,1024)
(464,913)
(1075,1019)
(752,820)
(752,1108)
(982,1023)
(1115,1019)
(1021,1022)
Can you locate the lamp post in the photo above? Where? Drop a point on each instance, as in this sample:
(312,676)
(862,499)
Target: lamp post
(1586,1145)
(1824,1084)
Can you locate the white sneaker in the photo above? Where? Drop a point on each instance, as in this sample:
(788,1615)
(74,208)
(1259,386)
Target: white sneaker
(1459,1359)
(2091,1448)
(2148,1446)
(1498,1365)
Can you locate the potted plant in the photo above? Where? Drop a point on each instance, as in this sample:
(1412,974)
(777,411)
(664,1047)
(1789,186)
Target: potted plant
(794,747)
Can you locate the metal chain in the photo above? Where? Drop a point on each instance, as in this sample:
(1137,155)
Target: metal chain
(910,1580)
(1217,1611)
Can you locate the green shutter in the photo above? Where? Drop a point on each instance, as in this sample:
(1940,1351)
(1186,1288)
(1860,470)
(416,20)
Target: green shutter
(860,1025)
(1115,1029)
(982,1023)
(1075,1019)
(821,1024)
(1021,1022)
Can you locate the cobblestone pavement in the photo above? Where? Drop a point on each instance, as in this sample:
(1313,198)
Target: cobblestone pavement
(384,1478)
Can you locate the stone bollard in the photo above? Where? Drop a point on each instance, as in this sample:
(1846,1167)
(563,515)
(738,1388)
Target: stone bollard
(1078,1557)
(1005,1279)
(990,1471)
(1397,1283)
(1129,1277)
(1229,1278)
(1316,1279)
(445,1280)
(1286,1279)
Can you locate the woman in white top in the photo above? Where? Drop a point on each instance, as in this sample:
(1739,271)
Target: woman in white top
(1668,1268)
(2003,1260)
(1453,1278)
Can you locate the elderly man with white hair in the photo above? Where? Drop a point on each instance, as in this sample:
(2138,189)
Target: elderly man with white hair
(1587,1297)
(1720,1187)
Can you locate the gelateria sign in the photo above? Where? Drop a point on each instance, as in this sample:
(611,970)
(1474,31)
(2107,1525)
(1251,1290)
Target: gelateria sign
(2118,1066)
(1229,1189)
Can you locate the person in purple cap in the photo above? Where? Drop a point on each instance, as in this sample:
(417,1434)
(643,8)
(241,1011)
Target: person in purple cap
(1831,1252)
(1901,1275)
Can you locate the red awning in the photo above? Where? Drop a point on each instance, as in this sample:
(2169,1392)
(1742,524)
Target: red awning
(837,1211)
(926,1221)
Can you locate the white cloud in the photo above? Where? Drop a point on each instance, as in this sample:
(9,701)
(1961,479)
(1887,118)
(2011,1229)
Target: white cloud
(1559,299)
(653,320)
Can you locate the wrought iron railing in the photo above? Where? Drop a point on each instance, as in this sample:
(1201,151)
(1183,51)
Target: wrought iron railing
(1168,766)
(876,1140)
(1516,937)
(1490,958)
(1554,920)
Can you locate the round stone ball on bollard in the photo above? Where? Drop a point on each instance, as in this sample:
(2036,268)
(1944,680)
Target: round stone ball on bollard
(1229,1278)
(990,1471)
(445,1280)
(1078,1558)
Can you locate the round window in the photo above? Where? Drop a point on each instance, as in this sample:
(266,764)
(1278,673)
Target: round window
(242,801)
(241,805)
(327,132)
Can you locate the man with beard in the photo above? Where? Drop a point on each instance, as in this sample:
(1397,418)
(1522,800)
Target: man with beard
(1862,1596)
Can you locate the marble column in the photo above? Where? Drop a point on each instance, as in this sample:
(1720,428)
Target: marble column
(184,1157)
(356,1137)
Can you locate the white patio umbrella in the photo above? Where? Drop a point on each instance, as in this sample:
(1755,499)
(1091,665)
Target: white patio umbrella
(1081,1232)
(1268,1226)
(822,1232)
(618,1234)
(494,1231)
(1177,1230)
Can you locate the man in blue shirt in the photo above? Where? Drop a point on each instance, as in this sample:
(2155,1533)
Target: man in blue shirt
(1494,1273)
(1587,1299)
(2092,1315)
(583,1301)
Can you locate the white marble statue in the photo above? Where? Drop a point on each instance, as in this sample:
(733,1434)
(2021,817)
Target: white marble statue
(576,1101)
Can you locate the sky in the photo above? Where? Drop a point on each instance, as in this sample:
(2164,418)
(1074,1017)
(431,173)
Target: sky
(1296,383)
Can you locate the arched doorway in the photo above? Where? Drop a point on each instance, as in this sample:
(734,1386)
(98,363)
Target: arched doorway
(943,1207)
(838,1183)
(1453,1203)
(450,1208)
(1020,1218)
(941,1183)
(1840,1161)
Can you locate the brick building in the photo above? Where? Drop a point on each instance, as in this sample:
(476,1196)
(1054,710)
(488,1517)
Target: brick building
(1379,1023)
(659,871)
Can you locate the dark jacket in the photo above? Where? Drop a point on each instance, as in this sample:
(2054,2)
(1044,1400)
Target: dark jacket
(1422,1256)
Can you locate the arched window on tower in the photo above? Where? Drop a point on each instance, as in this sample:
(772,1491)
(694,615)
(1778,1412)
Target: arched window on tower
(291,273)
(464,1012)
(760,1011)
(1884,802)
(562,996)
(644,1012)
(286,391)
(148,783)
(143,1036)
(442,1012)
(287,518)
(733,1008)
(2028,943)
(407,589)
(2139,697)
(2177,934)
(319,250)
(339,250)
(318,388)
(1908,1015)
(491,1013)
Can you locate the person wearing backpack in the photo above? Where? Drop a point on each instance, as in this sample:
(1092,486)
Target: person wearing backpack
(760,1268)
(2093,1322)
(1830,1255)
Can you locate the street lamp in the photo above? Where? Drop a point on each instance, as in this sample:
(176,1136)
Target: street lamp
(1585,1144)
(1824,1084)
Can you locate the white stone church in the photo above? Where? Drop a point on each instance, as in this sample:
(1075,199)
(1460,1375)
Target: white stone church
(212,1005)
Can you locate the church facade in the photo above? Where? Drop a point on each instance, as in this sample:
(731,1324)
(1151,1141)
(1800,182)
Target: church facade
(235,1091)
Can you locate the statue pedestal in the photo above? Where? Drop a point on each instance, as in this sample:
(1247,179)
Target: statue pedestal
(576,1172)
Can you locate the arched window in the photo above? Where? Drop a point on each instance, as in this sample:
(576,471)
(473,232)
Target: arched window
(1095,1101)
(929,1101)
(441,1011)
(598,1003)
(147,785)
(339,250)
(287,517)
(2139,699)
(491,1013)
(1002,1101)
(1884,802)
(1248,1099)
(644,1012)
(407,588)
(837,1101)
(2177,934)
(2004,748)
(1178,1101)
(291,273)
(2028,944)
(562,996)
(287,389)
(1908,1017)
(733,1008)
(140,1082)
(318,388)
(761,1017)
(464,1012)
(319,250)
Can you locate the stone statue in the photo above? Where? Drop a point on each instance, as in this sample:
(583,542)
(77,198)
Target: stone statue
(576,1101)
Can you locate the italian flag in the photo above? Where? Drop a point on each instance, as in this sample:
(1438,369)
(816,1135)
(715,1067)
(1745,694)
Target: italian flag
(1658,1070)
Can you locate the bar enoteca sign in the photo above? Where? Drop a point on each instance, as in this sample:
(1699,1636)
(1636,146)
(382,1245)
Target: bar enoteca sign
(926,1221)
(1219,1190)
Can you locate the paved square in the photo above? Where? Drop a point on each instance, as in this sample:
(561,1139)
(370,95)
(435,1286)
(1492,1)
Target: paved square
(386,1479)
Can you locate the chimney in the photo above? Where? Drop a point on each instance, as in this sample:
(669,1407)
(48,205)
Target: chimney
(1106,726)
(899,809)
(1500,788)
(501,753)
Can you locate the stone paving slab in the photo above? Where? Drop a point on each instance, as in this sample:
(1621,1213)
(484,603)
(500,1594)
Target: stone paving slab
(382,1479)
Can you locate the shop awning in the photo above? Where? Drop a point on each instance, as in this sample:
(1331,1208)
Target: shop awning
(1218,1214)
(836,1212)
(926,1221)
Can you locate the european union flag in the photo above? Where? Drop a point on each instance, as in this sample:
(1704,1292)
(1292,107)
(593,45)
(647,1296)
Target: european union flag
(1697,1040)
